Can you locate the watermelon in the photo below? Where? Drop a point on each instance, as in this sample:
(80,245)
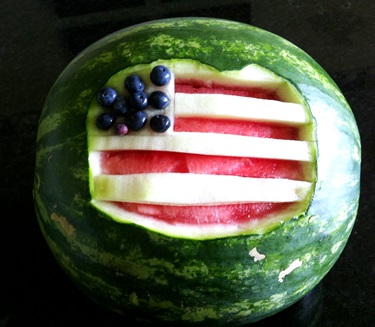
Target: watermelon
(235,211)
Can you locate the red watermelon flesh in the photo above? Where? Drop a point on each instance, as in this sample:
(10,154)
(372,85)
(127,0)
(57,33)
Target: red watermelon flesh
(193,86)
(144,161)
(237,127)
(201,214)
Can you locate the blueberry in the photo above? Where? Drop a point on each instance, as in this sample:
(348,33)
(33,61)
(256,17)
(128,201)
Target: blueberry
(121,129)
(134,83)
(160,75)
(158,100)
(160,123)
(105,120)
(138,100)
(136,120)
(120,106)
(107,96)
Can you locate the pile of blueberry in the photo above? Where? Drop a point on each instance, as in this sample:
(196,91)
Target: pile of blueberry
(126,114)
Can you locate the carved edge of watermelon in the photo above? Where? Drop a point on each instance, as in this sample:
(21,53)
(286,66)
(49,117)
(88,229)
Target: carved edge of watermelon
(213,281)
(249,76)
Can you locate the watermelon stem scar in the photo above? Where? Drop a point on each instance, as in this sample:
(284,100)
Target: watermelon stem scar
(239,153)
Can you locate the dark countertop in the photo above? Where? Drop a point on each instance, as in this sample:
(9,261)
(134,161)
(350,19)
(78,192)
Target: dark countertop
(37,40)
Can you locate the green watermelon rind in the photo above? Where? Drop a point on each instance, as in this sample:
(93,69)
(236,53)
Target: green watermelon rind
(211,282)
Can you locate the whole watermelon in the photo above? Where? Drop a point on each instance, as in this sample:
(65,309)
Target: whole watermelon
(227,280)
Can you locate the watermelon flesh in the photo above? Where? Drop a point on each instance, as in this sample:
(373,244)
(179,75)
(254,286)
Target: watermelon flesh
(124,162)
(236,127)
(203,214)
(144,161)
(194,86)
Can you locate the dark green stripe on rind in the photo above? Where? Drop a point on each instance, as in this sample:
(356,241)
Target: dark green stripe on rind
(214,282)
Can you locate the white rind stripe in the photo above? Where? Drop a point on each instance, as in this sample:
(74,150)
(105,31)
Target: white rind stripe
(193,189)
(208,144)
(238,107)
